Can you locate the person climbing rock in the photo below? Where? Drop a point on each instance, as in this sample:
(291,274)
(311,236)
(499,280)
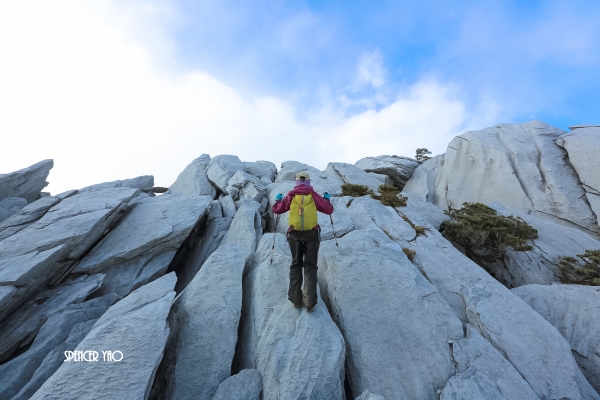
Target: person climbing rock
(303,237)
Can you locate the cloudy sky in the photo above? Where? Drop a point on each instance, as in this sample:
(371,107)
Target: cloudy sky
(116,89)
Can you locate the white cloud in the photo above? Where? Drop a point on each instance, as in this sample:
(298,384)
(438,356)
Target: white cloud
(92,85)
(371,70)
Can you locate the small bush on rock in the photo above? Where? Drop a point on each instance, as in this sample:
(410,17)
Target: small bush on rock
(390,196)
(409,253)
(484,234)
(584,272)
(350,189)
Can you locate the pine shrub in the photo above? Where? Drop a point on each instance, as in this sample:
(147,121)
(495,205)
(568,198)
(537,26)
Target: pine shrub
(350,189)
(585,271)
(390,196)
(409,253)
(484,234)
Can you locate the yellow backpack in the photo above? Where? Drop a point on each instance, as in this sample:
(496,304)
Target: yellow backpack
(303,213)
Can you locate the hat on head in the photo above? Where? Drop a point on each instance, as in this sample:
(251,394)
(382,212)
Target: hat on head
(302,176)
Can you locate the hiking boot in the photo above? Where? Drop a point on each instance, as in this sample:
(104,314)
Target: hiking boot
(310,309)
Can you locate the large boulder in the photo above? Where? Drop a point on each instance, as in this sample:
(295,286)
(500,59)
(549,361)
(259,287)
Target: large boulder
(242,185)
(520,166)
(399,169)
(135,331)
(321,181)
(583,147)
(10,206)
(30,213)
(483,373)
(349,173)
(205,317)
(221,169)
(575,311)
(396,324)
(142,246)
(44,252)
(140,182)
(27,182)
(266,171)
(193,180)
(53,337)
(533,346)
(299,355)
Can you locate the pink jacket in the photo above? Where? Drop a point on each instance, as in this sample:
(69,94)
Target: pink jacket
(322,205)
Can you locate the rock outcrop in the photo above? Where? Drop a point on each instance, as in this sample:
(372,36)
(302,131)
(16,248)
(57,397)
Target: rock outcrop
(399,169)
(246,385)
(193,180)
(135,332)
(26,183)
(575,311)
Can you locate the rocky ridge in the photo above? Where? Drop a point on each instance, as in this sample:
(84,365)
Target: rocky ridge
(190,286)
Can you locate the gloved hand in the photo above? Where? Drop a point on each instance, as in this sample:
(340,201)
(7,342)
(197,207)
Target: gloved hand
(326,196)
(279,197)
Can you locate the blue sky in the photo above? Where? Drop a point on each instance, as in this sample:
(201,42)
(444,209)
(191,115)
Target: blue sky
(113,89)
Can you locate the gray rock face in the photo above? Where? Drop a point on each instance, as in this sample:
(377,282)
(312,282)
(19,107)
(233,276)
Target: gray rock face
(221,169)
(574,311)
(383,179)
(51,245)
(22,326)
(205,316)
(11,206)
(349,173)
(395,323)
(135,326)
(399,169)
(518,332)
(583,147)
(17,373)
(193,180)
(539,266)
(424,180)
(266,171)
(483,373)
(242,185)
(517,165)
(30,213)
(366,395)
(299,355)
(27,182)
(321,181)
(244,386)
(142,246)
(140,182)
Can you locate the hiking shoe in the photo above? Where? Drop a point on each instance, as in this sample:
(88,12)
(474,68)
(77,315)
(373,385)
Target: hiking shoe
(310,309)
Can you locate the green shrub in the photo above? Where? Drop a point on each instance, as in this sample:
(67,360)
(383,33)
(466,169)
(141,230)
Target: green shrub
(484,234)
(409,253)
(422,154)
(350,189)
(584,272)
(390,196)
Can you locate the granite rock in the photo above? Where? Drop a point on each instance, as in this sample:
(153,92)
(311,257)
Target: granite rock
(193,180)
(27,182)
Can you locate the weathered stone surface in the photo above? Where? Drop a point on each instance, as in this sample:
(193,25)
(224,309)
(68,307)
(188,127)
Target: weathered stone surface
(30,213)
(266,171)
(154,226)
(140,182)
(583,147)
(70,228)
(383,179)
(349,173)
(366,395)
(424,180)
(299,355)
(395,323)
(575,311)
(399,169)
(205,317)
(27,182)
(321,181)
(193,180)
(540,265)
(221,169)
(137,327)
(517,165)
(246,385)
(483,373)
(22,326)
(17,373)
(242,185)
(10,206)
(517,331)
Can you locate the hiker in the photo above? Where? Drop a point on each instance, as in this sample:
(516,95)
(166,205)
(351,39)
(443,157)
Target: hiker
(303,237)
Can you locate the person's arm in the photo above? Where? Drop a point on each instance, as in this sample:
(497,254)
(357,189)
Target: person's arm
(282,206)
(323,205)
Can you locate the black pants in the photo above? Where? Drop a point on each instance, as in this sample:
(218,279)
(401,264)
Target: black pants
(304,246)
